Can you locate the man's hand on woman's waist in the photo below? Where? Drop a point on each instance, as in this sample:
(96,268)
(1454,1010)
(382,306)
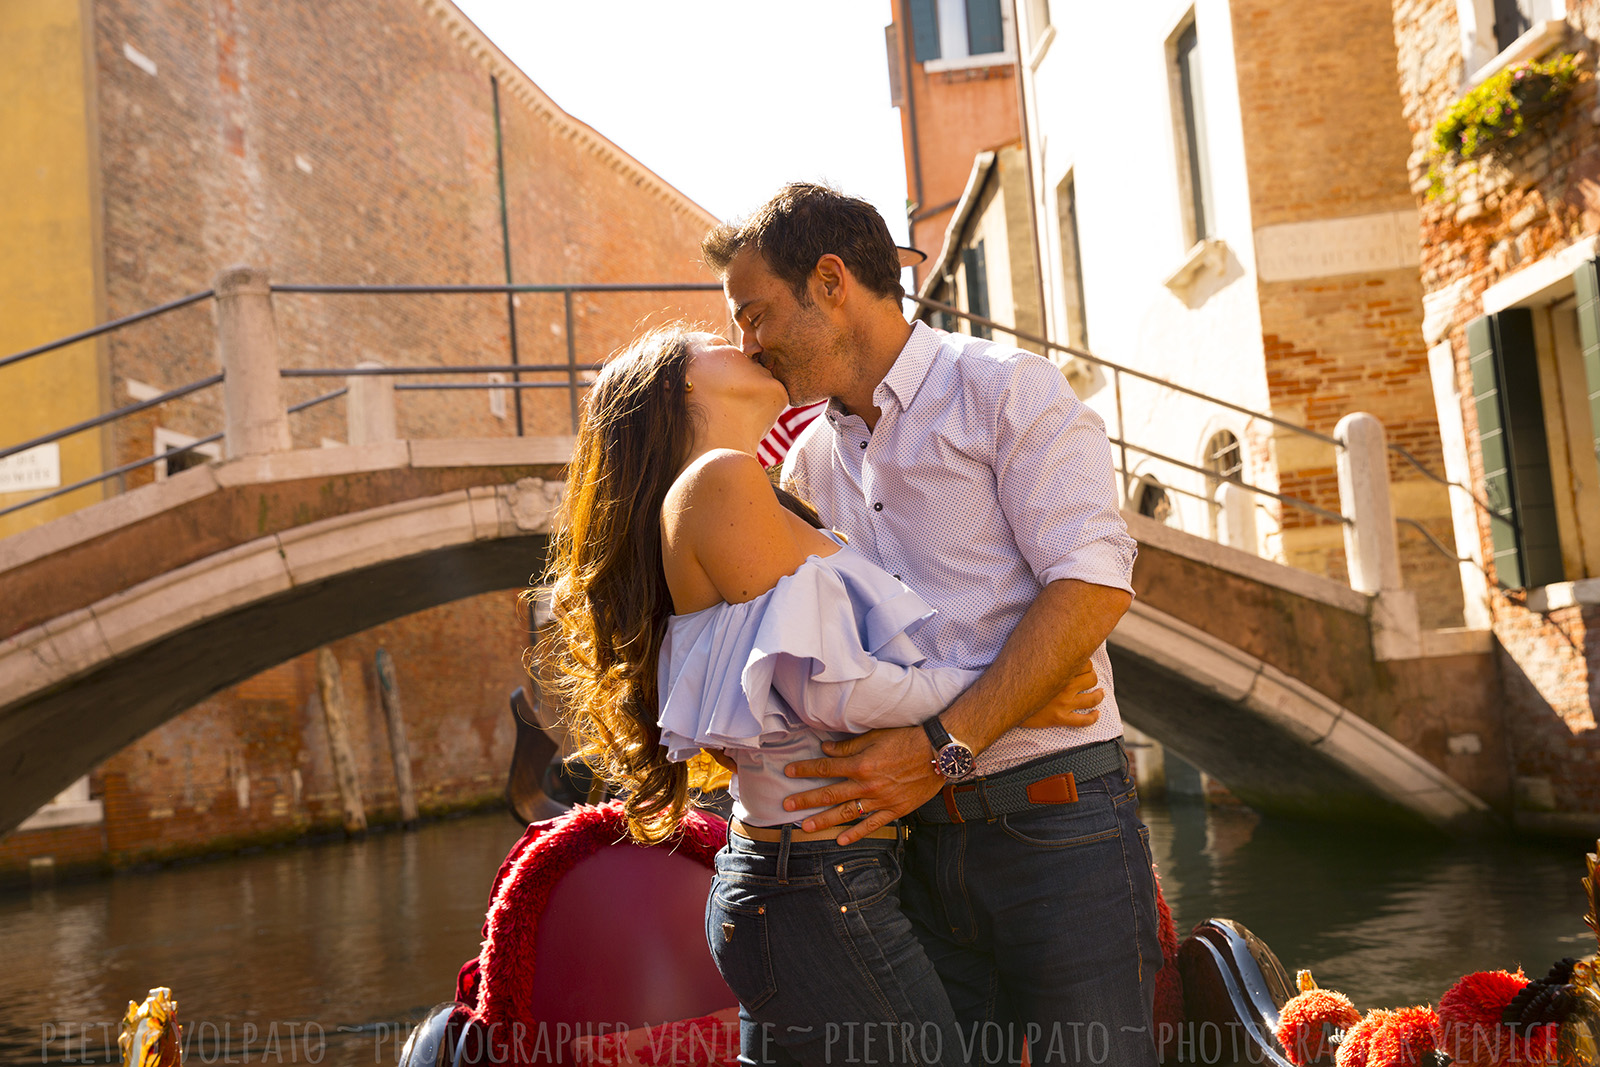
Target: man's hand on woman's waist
(889,773)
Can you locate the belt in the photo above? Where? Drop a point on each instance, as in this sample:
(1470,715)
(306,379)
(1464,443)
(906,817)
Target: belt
(892,832)
(1050,780)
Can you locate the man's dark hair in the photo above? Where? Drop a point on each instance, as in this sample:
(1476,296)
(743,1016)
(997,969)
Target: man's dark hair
(803,223)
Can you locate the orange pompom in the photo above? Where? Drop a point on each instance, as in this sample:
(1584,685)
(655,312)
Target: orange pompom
(1407,1038)
(1308,1019)
(1472,1028)
(1356,1046)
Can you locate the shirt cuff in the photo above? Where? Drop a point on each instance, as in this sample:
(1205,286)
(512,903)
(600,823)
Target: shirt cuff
(1099,563)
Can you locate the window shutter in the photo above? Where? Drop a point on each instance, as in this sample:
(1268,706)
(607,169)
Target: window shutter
(1516,453)
(1586,280)
(983,27)
(977,287)
(924,28)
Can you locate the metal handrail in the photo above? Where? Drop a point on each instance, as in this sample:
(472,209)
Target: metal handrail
(1293,501)
(468,368)
(112,416)
(1120,369)
(107,327)
(549,287)
(1483,506)
(117,472)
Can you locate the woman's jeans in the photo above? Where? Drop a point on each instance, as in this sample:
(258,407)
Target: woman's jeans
(811,939)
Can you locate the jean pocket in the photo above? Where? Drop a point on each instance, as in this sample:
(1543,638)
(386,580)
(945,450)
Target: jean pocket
(1087,822)
(861,881)
(736,931)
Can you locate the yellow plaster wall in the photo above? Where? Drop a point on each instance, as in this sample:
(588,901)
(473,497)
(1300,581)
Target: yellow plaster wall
(49,257)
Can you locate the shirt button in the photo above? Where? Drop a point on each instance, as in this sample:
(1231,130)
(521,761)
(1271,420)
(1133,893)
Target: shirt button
(878,506)
(863,444)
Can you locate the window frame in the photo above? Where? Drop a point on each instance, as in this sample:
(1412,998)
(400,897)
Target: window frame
(1481,52)
(1006,57)
(1190,141)
(166,439)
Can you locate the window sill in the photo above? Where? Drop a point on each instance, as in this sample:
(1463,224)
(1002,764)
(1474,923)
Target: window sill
(987,59)
(1041,46)
(1547,598)
(1208,257)
(1538,39)
(76,813)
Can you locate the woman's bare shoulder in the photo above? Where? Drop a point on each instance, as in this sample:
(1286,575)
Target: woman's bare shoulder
(723,510)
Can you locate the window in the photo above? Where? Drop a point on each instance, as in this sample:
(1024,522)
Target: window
(947,34)
(1511,20)
(977,285)
(170,441)
(1498,33)
(1154,502)
(1516,452)
(1071,264)
(1224,462)
(1195,169)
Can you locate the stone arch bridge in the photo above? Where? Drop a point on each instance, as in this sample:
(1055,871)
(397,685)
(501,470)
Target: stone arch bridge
(117,617)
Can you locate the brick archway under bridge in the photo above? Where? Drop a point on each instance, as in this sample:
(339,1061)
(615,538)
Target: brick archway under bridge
(120,616)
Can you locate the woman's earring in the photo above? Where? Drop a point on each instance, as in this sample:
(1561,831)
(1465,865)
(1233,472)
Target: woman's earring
(688,386)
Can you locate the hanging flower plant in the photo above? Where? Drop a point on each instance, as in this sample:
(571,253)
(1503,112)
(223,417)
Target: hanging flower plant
(1502,109)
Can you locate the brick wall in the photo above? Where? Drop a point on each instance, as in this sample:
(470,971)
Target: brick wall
(959,113)
(1325,139)
(354,143)
(1493,220)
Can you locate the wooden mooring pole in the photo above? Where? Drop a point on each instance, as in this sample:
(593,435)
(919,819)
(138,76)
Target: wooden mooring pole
(399,747)
(334,715)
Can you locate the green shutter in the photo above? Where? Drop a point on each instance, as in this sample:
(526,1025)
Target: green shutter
(983,28)
(1516,453)
(977,287)
(1586,280)
(924,28)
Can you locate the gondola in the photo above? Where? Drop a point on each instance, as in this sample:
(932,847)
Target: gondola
(594,953)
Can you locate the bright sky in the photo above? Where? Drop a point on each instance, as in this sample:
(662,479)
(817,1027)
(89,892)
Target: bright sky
(725,99)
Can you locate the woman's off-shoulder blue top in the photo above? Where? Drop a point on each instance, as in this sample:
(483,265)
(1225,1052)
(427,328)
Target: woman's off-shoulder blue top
(825,653)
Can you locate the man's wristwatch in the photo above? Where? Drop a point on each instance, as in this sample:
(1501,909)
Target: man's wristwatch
(951,758)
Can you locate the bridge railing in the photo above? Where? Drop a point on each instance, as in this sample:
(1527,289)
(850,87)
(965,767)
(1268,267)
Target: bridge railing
(255,418)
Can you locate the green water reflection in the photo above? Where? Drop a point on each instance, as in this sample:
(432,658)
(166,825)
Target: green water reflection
(351,941)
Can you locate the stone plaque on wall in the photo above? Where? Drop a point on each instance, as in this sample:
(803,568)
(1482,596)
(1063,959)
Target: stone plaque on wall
(1320,249)
(37,468)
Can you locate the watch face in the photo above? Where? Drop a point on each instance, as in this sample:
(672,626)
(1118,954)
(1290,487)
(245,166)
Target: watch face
(955,760)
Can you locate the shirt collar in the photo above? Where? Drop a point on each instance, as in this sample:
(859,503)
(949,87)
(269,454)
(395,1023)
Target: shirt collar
(910,368)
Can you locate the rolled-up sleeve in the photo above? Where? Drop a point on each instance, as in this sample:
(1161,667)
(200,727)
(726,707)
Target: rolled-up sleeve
(1055,481)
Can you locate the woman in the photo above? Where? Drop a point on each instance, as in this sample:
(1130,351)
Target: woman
(697,607)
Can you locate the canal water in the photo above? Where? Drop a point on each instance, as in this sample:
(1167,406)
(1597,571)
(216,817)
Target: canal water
(326,954)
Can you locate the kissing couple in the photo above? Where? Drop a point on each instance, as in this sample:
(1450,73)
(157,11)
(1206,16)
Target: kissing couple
(915,620)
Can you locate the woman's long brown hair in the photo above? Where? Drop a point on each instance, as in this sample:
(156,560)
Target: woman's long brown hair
(610,602)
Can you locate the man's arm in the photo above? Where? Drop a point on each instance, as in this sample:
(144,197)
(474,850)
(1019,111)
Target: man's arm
(891,771)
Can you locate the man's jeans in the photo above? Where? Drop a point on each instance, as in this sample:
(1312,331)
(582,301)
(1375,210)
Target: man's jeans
(1042,925)
(811,939)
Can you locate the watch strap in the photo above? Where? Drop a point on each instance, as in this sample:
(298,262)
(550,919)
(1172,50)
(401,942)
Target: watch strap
(937,733)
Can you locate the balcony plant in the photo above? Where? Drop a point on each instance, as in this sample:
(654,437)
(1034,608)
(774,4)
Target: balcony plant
(1494,115)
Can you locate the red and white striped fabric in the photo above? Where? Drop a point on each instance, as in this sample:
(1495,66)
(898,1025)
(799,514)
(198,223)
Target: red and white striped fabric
(781,437)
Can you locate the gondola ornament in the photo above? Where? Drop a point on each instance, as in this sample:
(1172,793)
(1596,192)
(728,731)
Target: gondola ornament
(151,1036)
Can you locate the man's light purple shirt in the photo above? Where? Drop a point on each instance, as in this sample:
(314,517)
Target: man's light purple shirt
(985,480)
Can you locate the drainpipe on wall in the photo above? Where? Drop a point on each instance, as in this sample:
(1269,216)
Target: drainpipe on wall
(1027,158)
(505,243)
(906,56)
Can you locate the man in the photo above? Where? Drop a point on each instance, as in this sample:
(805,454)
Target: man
(970,471)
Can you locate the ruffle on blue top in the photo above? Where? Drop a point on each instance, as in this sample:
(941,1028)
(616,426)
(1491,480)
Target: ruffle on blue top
(723,670)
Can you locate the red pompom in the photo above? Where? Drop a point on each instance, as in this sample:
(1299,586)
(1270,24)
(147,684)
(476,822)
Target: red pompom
(1305,1022)
(1471,1030)
(1356,1046)
(1405,1039)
